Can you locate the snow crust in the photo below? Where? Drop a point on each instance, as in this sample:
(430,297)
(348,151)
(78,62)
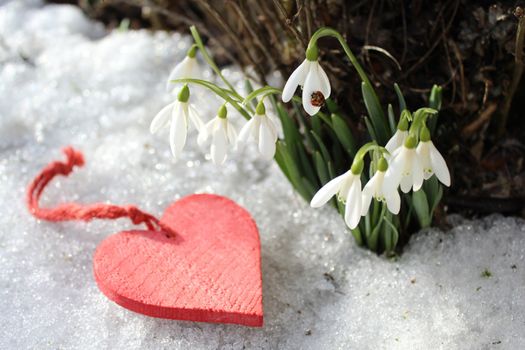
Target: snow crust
(64,80)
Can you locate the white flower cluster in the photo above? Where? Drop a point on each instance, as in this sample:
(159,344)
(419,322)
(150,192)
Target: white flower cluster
(177,115)
(406,165)
(405,162)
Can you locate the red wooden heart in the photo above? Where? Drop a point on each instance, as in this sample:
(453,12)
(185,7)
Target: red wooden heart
(209,272)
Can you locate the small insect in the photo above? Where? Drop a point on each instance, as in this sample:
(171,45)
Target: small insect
(317,99)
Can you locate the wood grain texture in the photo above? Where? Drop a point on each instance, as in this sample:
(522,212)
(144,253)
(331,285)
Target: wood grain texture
(210,272)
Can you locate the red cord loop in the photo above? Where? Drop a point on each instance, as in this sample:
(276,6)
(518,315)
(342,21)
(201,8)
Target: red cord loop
(74,211)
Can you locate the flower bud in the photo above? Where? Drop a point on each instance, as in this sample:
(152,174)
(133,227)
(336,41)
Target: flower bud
(382,164)
(260,109)
(184,94)
(424,135)
(223,111)
(192,52)
(357,166)
(411,142)
(312,53)
(403,124)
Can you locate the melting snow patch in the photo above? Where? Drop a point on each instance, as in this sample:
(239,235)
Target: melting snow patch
(64,80)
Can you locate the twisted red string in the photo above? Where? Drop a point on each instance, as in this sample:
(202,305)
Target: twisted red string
(75,211)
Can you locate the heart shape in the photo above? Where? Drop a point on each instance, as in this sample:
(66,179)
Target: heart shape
(209,272)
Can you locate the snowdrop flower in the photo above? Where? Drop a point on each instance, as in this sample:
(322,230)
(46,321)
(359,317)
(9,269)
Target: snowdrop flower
(186,69)
(377,188)
(177,115)
(261,129)
(348,190)
(405,168)
(222,134)
(431,160)
(399,136)
(311,76)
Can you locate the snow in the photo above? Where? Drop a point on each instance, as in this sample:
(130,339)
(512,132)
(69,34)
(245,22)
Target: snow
(64,80)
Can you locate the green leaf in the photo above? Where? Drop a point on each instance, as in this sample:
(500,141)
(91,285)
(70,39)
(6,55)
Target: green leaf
(434,192)
(393,234)
(436,201)
(306,167)
(420,203)
(371,130)
(292,170)
(400,98)
(375,112)
(332,106)
(249,89)
(324,150)
(339,156)
(373,238)
(344,135)
(290,131)
(391,119)
(434,101)
(356,232)
(321,168)
(280,162)
(315,122)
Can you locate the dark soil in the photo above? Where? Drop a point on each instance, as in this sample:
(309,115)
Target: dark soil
(467,46)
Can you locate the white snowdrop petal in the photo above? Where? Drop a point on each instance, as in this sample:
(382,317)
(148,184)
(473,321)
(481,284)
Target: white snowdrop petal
(266,141)
(231,132)
(255,129)
(205,132)
(393,201)
(161,119)
(180,70)
(193,70)
(439,166)
(195,118)
(271,127)
(417,173)
(328,191)
(246,131)
(297,78)
(178,132)
(394,172)
(406,183)
(396,141)
(219,145)
(311,85)
(423,153)
(353,204)
(366,199)
(325,82)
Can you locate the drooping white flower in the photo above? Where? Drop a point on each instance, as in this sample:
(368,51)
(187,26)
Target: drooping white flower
(348,189)
(396,140)
(399,136)
(262,130)
(405,169)
(382,191)
(432,162)
(186,69)
(222,133)
(177,115)
(316,86)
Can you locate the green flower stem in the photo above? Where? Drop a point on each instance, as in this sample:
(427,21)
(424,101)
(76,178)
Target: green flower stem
(223,93)
(209,60)
(368,147)
(326,31)
(265,91)
(420,119)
